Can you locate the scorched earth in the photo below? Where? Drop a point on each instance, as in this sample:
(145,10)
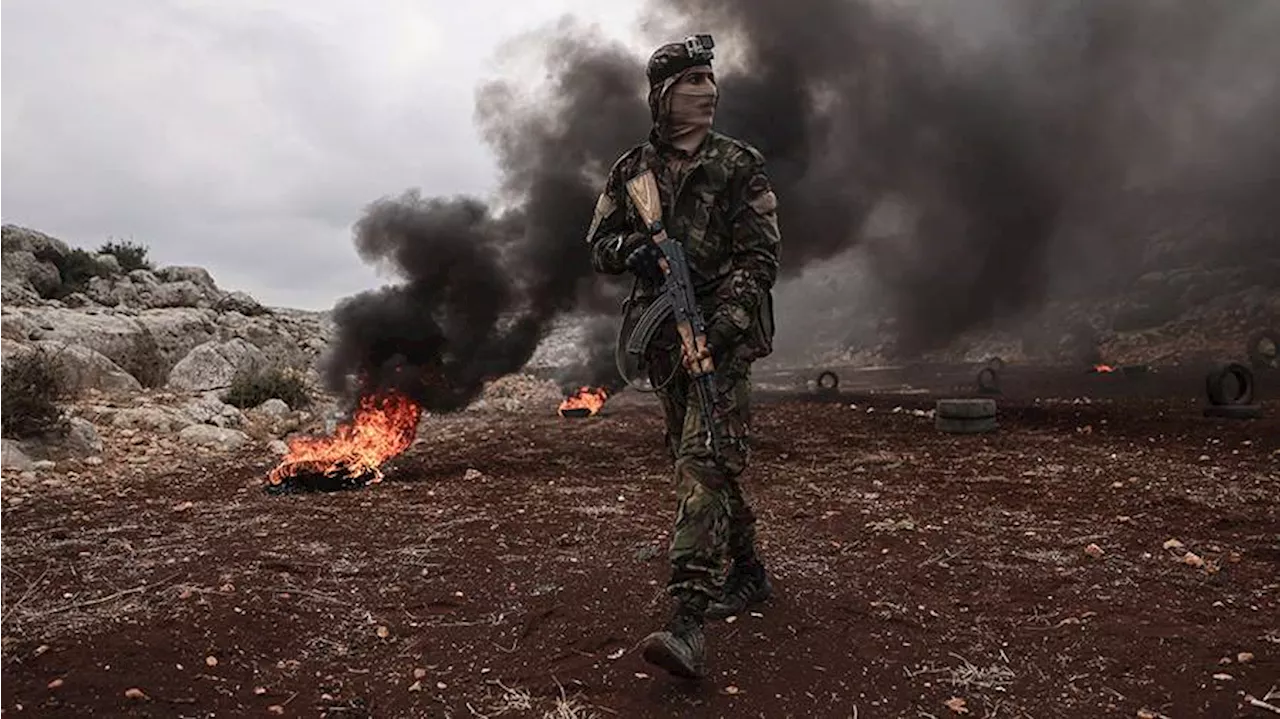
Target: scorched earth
(1104,557)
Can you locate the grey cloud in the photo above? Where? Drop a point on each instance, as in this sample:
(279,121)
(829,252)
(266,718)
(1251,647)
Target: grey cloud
(241,136)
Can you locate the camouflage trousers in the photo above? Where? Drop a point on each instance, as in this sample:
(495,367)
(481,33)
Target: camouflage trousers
(714,522)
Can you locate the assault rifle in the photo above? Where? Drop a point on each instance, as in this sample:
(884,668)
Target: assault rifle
(678,287)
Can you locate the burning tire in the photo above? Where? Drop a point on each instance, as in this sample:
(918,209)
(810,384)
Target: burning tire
(965,416)
(1264,350)
(1229,384)
(988,381)
(828,381)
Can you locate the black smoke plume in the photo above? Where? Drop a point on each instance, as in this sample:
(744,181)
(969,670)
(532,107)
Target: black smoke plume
(480,284)
(1012,141)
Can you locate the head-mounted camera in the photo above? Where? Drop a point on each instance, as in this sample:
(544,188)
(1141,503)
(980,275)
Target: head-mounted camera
(699,47)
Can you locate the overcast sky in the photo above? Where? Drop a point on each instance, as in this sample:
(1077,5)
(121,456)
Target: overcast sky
(246,136)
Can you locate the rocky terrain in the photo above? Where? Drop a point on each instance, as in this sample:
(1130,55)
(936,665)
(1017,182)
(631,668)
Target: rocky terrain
(147,355)
(145,351)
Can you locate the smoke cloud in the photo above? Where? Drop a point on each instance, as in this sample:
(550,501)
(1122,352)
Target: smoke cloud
(981,157)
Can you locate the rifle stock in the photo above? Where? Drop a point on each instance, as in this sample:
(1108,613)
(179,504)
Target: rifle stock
(678,286)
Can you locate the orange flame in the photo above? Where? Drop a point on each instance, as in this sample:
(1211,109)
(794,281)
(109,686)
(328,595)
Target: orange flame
(384,425)
(1103,368)
(585,398)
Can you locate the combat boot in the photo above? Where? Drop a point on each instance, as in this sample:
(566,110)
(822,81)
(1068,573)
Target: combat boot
(680,648)
(747,584)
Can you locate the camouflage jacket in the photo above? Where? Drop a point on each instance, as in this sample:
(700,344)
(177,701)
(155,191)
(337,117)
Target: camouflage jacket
(720,205)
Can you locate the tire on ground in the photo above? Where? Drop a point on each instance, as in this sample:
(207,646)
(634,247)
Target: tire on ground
(966,408)
(1234,411)
(828,381)
(973,425)
(1223,379)
(988,381)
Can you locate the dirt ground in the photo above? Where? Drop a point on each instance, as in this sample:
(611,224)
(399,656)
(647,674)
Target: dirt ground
(510,562)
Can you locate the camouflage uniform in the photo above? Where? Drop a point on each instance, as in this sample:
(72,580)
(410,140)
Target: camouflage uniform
(719,203)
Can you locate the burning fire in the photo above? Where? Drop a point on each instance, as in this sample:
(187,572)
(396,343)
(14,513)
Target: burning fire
(1103,368)
(585,399)
(384,425)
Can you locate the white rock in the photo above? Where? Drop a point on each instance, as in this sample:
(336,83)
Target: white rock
(82,437)
(180,273)
(274,407)
(12,457)
(210,409)
(110,262)
(213,365)
(218,437)
(278,447)
(85,368)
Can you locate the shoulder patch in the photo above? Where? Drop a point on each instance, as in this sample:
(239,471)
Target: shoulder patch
(760,194)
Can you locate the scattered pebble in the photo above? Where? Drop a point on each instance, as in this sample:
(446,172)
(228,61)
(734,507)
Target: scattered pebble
(1094,551)
(55,683)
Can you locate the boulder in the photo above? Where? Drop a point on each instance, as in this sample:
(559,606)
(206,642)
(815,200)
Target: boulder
(19,239)
(213,365)
(220,438)
(275,408)
(82,437)
(23,267)
(240,302)
(109,262)
(113,291)
(183,293)
(178,330)
(109,334)
(12,457)
(198,276)
(145,279)
(17,294)
(210,409)
(84,368)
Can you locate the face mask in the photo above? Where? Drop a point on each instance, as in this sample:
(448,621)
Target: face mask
(690,111)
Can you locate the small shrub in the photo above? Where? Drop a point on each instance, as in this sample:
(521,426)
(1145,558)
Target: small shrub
(29,389)
(77,267)
(251,388)
(132,256)
(8,242)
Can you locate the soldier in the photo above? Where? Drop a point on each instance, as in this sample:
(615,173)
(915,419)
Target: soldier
(718,202)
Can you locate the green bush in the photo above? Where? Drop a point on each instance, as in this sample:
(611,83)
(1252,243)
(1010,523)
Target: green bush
(77,267)
(29,389)
(253,387)
(132,256)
